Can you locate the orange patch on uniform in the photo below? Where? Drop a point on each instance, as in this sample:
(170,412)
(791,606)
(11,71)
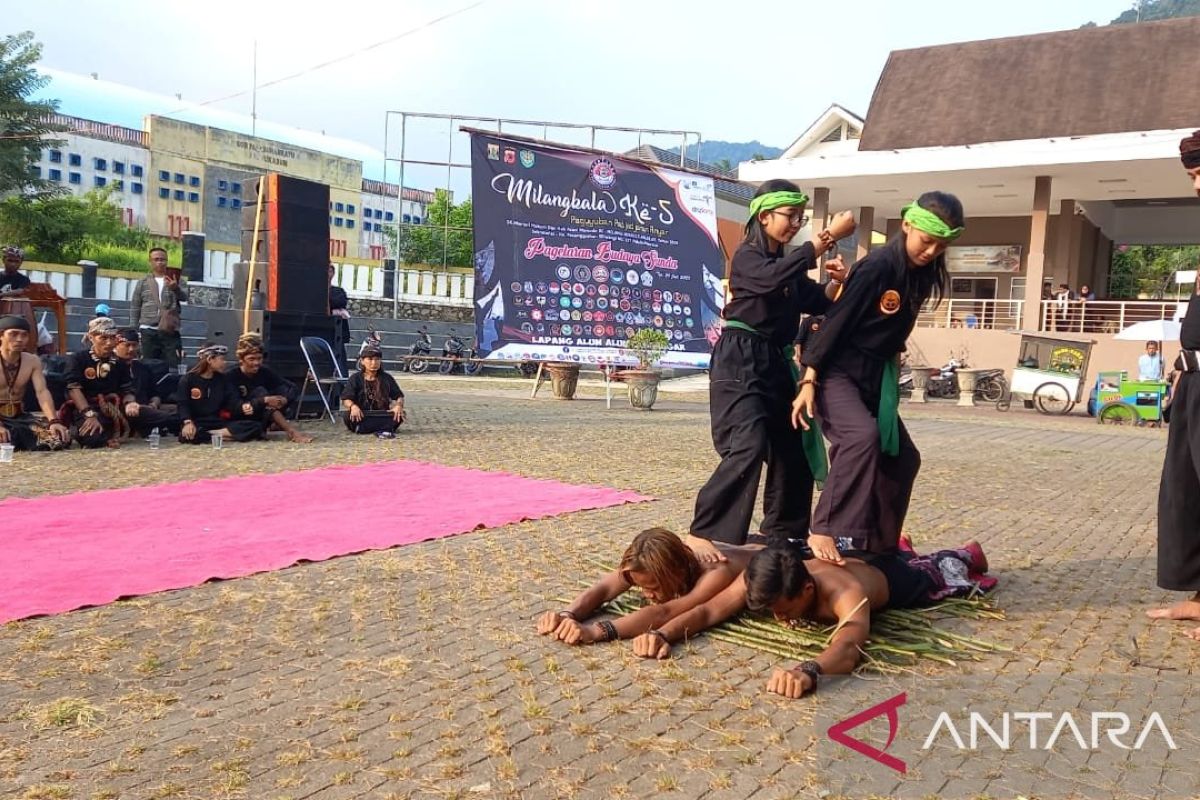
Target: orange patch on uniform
(90,373)
(890,302)
(195,393)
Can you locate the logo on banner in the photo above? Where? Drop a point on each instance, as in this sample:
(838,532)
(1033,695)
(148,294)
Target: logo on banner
(526,158)
(602,173)
(493,151)
(510,156)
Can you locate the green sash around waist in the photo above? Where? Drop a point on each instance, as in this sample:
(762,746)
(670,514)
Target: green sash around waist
(811,440)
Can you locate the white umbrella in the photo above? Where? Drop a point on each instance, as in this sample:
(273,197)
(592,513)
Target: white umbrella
(1154,330)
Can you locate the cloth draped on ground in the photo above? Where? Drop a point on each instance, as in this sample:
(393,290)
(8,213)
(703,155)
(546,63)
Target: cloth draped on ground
(68,551)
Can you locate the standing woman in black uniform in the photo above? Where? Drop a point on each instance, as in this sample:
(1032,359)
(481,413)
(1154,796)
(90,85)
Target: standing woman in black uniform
(1179,489)
(750,380)
(851,377)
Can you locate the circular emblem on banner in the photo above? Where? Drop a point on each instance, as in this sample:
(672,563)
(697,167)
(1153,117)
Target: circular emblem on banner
(647,279)
(602,173)
(541,299)
(890,302)
(591,290)
(582,273)
(554,288)
(668,297)
(564,315)
(589,302)
(576,316)
(657,296)
(564,301)
(541,287)
(690,322)
(576,302)
(528,287)
(658,322)
(657,307)
(535,315)
(566,330)
(631,277)
(90,373)
(526,158)
(600,273)
(578,289)
(563,271)
(601,302)
(515,286)
(195,393)
(687,310)
(587,316)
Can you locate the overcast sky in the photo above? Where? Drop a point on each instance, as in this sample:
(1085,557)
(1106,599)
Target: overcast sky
(730,70)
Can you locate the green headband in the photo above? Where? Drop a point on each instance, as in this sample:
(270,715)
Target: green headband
(928,222)
(773,200)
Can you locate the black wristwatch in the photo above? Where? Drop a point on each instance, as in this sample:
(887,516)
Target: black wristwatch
(813,670)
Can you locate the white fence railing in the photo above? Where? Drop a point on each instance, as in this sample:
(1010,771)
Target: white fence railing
(69,284)
(1105,316)
(957,313)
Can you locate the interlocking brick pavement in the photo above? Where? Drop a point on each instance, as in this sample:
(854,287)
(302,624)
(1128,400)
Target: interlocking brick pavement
(415,672)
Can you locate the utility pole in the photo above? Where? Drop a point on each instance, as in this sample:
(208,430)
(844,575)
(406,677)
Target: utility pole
(254,92)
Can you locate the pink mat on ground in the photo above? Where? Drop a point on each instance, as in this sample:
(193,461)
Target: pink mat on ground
(90,548)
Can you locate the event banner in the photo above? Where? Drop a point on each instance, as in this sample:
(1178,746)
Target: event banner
(984,258)
(575,251)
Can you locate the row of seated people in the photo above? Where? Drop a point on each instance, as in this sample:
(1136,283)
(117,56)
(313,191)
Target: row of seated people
(112,394)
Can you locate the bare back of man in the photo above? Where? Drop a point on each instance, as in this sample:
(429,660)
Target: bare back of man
(20,369)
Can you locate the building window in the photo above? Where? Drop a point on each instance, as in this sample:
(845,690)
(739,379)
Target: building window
(163,175)
(389,217)
(55,156)
(222,201)
(100,164)
(349,222)
(56,174)
(75,160)
(193,180)
(407,218)
(35,170)
(180,194)
(349,209)
(119,167)
(338,221)
(339,207)
(118,184)
(235,203)
(135,170)
(366,212)
(164,192)
(235,187)
(379,214)
(179,177)
(136,188)
(193,197)
(222,186)
(416,220)
(74,177)
(378,227)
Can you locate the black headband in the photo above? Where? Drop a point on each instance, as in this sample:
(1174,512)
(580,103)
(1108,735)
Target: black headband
(13,322)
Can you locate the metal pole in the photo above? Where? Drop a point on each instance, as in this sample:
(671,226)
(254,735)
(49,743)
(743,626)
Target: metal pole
(446,219)
(400,195)
(254,92)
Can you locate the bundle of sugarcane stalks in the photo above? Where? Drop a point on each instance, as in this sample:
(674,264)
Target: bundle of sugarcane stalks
(898,638)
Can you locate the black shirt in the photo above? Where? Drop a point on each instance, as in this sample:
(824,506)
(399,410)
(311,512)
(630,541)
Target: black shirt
(253,388)
(338,298)
(808,327)
(145,387)
(208,398)
(13,281)
(870,322)
(769,291)
(98,376)
(1189,331)
(356,391)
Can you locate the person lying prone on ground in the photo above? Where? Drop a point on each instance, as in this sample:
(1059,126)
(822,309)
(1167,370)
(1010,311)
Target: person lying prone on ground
(779,580)
(669,575)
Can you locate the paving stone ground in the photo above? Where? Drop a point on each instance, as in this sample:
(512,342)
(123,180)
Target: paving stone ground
(416,672)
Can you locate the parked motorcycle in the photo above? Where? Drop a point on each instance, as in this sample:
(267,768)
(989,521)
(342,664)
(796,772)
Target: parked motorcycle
(417,360)
(945,383)
(456,352)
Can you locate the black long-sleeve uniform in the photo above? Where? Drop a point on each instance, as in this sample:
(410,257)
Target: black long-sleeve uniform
(375,402)
(254,388)
(211,404)
(867,492)
(105,382)
(1179,489)
(750,396)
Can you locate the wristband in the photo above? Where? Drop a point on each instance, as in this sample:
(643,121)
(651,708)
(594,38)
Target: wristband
(806,382)
(813,670)
(567,615)
(608,629)
(661,636)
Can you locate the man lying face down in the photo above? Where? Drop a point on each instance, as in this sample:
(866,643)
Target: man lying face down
(779,580)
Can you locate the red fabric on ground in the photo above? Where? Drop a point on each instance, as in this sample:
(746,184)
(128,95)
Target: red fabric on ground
(68,551)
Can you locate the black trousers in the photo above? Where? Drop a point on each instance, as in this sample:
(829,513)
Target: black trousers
(149,418)
(242,430)
(1179,492)
(750,400)
(372,422)
(162,345)
(866,494)
(21,432)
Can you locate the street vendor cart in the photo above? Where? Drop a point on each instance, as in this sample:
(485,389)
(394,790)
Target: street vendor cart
(1121,401)
(1049,374)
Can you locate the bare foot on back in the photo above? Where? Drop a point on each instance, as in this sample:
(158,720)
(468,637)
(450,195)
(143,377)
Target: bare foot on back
(704,549)
(1185,609)
(1194,633)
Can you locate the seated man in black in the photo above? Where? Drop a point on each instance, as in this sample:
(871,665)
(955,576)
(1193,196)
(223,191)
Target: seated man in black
(150,413)
(12,280)
(372,401)
(209,405)
(791,588)
(20,370)
(261,387)
(100,390)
